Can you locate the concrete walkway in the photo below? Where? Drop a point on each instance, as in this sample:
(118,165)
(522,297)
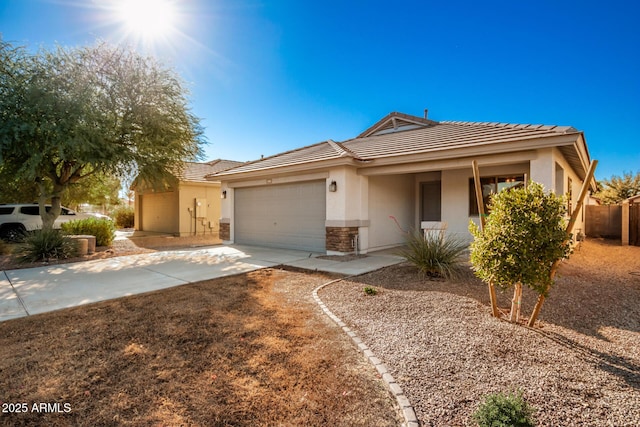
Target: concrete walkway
(38,290)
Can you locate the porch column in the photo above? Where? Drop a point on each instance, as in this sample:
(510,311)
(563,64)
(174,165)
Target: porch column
(226,213)
(543,169)
(347,212)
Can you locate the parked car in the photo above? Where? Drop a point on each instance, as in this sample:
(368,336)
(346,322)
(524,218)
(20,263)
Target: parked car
(17,219)
(98,215)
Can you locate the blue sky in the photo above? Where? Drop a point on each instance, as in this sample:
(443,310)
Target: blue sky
(269,76)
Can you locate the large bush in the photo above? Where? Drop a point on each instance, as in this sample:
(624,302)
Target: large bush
(436,254)
(522,238)
(124,217)
(103,229)
(504,410)
(43,245)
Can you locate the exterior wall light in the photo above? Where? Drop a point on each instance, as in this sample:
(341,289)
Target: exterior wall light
(224,194)
(333,187)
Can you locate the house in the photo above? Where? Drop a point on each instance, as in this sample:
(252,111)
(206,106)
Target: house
(192,207)
(403,173)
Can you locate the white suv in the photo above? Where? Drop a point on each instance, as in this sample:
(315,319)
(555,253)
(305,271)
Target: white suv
(17,219)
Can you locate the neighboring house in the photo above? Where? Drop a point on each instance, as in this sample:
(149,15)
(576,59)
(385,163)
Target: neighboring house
(192,208)
(633,199)
(403,173)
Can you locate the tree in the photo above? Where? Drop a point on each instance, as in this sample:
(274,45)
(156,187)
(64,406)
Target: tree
(97,189)
(70,113)
(616,189)
(523,238)
(14,189)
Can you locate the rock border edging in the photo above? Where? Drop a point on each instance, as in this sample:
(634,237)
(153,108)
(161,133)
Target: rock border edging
(394,388)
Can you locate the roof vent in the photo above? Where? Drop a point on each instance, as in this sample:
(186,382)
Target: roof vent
(426,113)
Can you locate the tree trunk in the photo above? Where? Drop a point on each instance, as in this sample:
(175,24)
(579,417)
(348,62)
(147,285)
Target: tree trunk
(49,216)
(516,303)
(536,311)
(541,297)
(494,302)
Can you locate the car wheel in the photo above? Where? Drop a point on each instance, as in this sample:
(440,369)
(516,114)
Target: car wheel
(14,233)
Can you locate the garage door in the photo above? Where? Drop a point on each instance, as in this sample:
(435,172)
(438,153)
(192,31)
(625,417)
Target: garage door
(282,216)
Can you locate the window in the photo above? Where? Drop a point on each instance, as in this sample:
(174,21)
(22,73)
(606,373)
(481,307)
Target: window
(491,185)
(30,210)
(6,210)
(431,201)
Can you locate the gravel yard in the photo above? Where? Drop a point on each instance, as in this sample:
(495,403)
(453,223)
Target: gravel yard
(580,365)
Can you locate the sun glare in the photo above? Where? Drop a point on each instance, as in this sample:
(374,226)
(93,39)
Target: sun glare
(147,21)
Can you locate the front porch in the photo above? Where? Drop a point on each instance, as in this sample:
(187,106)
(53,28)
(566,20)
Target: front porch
(393,201)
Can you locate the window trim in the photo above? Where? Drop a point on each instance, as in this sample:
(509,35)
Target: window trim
(494,180)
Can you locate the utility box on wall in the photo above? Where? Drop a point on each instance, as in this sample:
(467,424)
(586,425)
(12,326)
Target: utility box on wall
(201,208)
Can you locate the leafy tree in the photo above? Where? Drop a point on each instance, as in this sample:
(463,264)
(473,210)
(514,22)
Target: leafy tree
(522,239)
(13,188)
(97,189)
(70,113)
(616,189)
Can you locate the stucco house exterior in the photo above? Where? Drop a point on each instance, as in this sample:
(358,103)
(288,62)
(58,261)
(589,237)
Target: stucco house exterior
(403,173)
(190,208)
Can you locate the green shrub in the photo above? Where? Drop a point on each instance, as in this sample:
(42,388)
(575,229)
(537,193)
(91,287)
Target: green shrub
(523,236)
(103,229)
(124,217)
(436,254)
(370,290)
(43,245)
(504,410)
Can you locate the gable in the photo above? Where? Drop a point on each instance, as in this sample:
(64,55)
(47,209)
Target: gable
(397,122)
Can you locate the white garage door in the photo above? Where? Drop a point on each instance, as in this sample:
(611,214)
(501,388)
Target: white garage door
(282,216)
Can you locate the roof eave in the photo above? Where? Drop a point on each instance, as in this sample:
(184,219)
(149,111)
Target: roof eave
(288,169)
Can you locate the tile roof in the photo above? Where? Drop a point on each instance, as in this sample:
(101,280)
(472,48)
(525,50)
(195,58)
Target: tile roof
(326,150)
(196,172)
(447,136)
(399,135)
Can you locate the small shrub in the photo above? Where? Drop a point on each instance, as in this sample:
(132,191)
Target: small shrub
(5,249)
(43,245)
(504,410)
(124,217)
(436,254)
(370,290)
(103,229)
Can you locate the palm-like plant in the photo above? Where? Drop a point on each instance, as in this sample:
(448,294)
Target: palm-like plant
(436,254)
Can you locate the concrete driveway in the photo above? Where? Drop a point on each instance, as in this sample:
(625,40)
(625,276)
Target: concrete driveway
(37,290)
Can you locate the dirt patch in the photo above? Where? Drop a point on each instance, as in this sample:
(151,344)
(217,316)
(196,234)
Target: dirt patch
(579,366)
(246,350)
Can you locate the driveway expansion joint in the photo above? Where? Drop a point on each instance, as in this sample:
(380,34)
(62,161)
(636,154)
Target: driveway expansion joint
(15,291)
(408,412)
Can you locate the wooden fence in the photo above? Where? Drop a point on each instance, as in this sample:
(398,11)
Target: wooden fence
(603,221)
(634,224)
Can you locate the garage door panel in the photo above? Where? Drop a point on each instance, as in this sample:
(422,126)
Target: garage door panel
(286,216)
